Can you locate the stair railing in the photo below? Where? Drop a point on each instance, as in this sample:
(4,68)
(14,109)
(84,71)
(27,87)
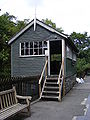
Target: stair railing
(42,74)
(60,81)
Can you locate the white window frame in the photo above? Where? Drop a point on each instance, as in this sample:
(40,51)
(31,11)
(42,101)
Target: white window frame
(43,53)
(74,56)
(69,52)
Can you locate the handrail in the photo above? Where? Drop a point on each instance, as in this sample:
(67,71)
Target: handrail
(42,74)
(59,77)
(60,83)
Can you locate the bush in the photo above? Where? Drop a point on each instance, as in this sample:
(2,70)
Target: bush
(82,67)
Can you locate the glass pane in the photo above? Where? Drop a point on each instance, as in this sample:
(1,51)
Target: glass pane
(35,51)
(26,45)
(26,51)
(40,51)
(45,44)
(31,51)
(31,44)
(22,52)
(35,44)
(40,44)
(44,50)
(22,45)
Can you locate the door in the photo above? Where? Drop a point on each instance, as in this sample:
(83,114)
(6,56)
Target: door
(55,57)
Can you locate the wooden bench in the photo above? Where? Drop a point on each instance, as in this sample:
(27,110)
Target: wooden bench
(9,104)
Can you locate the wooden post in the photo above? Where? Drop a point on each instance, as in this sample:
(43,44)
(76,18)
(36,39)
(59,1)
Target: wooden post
(63,67)
(59,92)
(39,89)
(48,45)
(46,69)
(15,94)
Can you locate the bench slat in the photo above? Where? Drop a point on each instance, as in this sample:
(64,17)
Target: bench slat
(6,100)
(9,104)
(6,92)
(12,110)
(1,103)
(11,99)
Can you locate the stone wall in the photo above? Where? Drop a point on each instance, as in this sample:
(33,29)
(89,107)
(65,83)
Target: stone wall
(69,83)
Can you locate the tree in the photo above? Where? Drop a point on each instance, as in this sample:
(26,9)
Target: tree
(52,24)
(21,24)
(7,29)
(82,41)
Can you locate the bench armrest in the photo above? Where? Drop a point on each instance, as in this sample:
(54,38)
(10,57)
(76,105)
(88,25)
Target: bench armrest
(27,98)
(23,97)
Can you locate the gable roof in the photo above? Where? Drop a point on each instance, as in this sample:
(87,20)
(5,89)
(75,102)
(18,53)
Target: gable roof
(67,37)
(41,24)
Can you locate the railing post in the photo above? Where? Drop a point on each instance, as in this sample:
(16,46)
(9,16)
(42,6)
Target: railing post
(59,91)
(42,74)
(39,89)
(46,69)
(60,82)
(63,67)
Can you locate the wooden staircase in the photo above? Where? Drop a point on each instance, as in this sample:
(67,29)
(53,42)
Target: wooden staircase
(50,89)
(52,86)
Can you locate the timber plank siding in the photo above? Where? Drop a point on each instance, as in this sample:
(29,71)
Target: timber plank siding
(70,67)
(33,65)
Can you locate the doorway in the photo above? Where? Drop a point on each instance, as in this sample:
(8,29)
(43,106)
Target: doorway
(55,57)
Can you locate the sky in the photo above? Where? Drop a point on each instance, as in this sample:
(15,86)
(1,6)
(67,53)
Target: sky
(71,15)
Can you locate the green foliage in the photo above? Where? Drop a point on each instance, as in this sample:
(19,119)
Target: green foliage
(4,55)
(82,67)
(52,24)
(49,22)
(82,41)
(7,29)
(9,25)
(21,24)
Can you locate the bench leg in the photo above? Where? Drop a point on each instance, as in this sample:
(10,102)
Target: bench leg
(29,110)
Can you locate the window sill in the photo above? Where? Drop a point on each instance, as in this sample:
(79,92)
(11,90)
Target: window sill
(23,56)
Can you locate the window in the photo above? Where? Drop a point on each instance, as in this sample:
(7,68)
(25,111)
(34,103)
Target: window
(33,48)
(69,52)
(74,56)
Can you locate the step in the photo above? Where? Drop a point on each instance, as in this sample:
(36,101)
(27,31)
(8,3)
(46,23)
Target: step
(52,79)
(54,83)
(51,97)
(53,76)
(51,92)
(49,87)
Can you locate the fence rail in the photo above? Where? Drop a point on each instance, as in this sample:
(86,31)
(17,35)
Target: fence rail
(24,85)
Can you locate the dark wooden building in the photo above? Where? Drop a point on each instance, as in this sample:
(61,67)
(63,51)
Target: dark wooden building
(38,43)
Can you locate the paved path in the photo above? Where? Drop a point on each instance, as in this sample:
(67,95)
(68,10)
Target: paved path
(73,104)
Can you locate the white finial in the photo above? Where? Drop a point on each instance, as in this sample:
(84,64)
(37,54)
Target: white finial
(35,20)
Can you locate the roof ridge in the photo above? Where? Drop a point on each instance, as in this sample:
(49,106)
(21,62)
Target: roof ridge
(37,22)
(52,27)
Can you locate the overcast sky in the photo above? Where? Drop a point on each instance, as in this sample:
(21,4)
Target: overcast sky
(71,15)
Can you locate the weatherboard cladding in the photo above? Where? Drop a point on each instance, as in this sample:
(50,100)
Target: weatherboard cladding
(70,67)
(28,66)
(47,27)
(40,34)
